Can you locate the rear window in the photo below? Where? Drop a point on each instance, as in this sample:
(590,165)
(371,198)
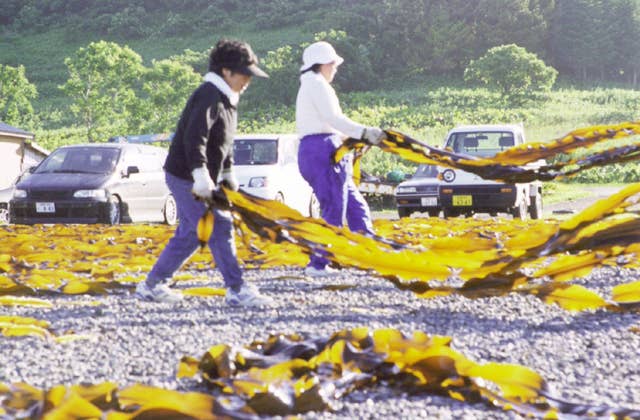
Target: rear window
(81,160)
(255,152)
(483,144)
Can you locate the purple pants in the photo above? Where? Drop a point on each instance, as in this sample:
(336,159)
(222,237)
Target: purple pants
(333,186)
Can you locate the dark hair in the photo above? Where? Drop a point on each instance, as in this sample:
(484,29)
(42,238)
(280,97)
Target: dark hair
(315,68)
(231,54)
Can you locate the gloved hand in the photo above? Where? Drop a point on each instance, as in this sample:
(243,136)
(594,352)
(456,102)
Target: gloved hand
(373,135)
(203,185)
(229,179)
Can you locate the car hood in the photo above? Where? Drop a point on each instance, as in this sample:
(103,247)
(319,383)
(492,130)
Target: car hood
(414,182)
(57,181)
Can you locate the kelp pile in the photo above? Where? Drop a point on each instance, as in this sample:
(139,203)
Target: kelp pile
(288,375)
(523,163)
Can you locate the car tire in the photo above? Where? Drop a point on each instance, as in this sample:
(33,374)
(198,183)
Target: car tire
(404,212)
(433,213)
(448,213)
(314,207)
(535,209)
(520,210)
(4,217)
(114,211)
(279,198)
(170,210)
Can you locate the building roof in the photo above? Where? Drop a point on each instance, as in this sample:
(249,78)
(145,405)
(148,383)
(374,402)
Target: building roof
(7,130)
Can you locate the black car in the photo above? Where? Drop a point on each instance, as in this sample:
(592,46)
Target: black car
(96,183)
(419,193)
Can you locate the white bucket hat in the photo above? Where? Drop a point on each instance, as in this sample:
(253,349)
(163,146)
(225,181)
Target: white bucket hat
(319,53)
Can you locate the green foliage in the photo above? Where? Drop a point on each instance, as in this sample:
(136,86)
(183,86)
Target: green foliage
(16,93)
(516,73)
(102,78)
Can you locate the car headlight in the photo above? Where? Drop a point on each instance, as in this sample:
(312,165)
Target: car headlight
(90,194)
(19,193)
(404,190)
(258,182)
(448,175)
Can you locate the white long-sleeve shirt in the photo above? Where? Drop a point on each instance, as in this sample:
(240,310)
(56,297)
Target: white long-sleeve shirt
(318,109)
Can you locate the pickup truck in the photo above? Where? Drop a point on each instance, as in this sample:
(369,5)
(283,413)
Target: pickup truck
(454,192)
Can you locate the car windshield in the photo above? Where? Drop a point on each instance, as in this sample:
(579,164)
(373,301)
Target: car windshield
(482,144)
(255,152)
(93,160)
(426,171)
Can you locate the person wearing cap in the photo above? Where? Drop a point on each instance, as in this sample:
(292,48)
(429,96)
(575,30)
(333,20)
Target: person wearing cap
(322,127)
(201,152)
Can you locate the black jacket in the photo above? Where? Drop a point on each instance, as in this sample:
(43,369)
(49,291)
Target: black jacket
(204,134)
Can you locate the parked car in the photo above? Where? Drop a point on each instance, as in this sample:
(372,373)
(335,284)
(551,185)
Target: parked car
(466,193)
(96,183)
(267,166)
(420,193)
(5,197)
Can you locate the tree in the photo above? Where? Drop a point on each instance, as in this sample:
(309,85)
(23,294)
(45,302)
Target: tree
(16,93)
(167,86)
(515,72)
(102,82)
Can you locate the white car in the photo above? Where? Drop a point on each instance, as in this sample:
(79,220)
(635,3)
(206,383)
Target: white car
(466,193)
(266,165)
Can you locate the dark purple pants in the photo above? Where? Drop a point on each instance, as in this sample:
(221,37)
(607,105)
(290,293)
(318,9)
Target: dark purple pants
(333,185)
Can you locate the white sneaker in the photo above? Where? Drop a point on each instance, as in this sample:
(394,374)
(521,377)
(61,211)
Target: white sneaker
(160,293)
(320,272)
(248,295)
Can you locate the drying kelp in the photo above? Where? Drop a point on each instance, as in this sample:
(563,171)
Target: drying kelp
(521,163)
(488,265)
(291,374)
(19,326)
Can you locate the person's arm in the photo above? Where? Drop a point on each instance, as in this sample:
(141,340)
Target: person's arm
(201,118)
(326,102)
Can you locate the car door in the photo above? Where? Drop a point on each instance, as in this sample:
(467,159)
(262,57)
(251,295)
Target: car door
(132,184)
(152,174)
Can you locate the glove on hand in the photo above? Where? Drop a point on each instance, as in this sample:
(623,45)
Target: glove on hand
(373,135)
(203,185)
(229,179)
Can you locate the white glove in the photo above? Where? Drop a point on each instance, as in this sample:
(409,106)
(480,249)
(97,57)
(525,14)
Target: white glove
(203,185)
(373,135)
(230,180)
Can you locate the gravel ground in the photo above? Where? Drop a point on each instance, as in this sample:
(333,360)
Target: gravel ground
(585,357)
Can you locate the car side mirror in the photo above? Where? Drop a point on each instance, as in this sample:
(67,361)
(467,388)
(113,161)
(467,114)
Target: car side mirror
(131,170)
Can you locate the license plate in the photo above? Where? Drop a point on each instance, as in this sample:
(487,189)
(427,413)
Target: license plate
(429,201)
(462,200)
(45,207)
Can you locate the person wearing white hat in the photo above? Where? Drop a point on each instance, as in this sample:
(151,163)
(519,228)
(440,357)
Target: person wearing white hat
(322,127)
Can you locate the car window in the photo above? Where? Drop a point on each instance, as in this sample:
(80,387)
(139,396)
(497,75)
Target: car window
(150,161)
(426,171)
(482,144)
(80,160)
(255,152)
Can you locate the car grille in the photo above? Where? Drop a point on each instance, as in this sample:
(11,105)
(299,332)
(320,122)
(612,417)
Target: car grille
(50,194)
(427,189)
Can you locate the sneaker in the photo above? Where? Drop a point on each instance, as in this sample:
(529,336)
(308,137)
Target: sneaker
(320,272)
(248,295)
(159,293)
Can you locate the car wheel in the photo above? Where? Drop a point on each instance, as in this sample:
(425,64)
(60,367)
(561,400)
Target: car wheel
(535,209)
(4,216)
(279,198)
(434,213)
(170,211)
(520,211)
(447,213)
(314,207)
(404,212)
(114,211)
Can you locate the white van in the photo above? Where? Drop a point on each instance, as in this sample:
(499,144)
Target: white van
(266,165)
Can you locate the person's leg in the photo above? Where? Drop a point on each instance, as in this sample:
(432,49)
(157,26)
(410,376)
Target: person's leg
(358,213)
(327,181)
(185,239)
(223,249)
